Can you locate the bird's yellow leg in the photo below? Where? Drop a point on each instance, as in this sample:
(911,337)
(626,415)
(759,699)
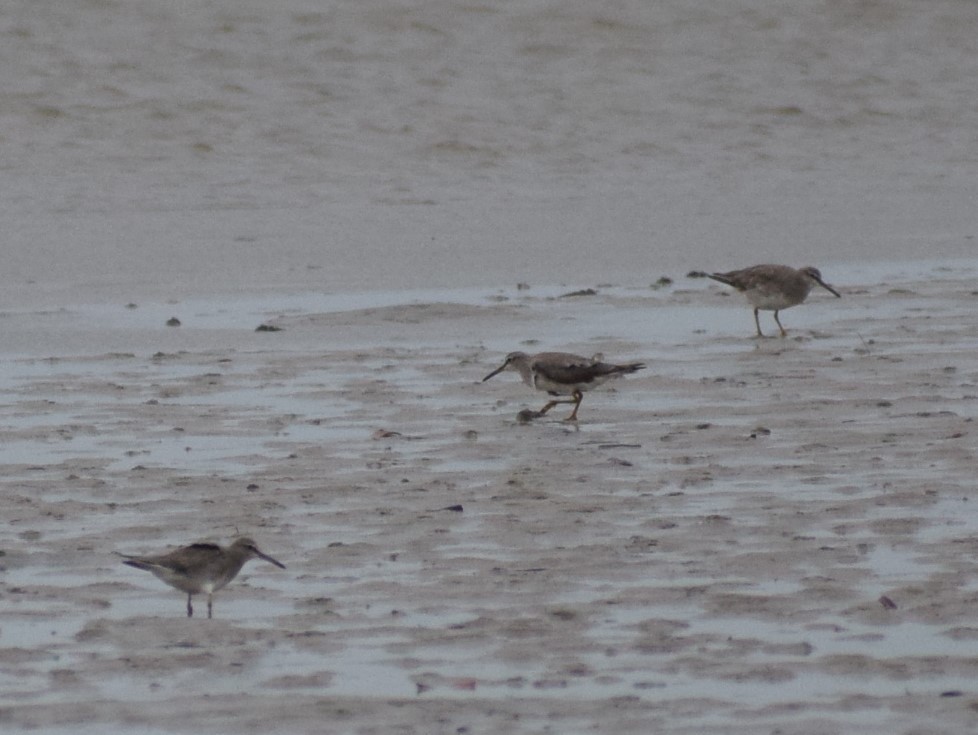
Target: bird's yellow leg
(578,397)
(553,403)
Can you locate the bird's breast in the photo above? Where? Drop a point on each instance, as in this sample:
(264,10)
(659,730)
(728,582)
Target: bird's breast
(773,298)
(553,387)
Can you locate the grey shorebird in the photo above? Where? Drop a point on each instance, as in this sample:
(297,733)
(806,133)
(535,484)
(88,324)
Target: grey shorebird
(773,287)
(563,374)
(200,567)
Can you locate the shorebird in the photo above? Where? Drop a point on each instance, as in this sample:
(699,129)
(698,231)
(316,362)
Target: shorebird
(201,567)
(773,287)
(562,374)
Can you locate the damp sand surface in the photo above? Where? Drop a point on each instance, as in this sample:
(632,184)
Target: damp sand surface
(751,535)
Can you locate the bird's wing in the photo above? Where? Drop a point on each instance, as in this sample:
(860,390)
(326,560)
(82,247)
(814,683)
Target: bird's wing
(204,546)
(747,279)
(579,371)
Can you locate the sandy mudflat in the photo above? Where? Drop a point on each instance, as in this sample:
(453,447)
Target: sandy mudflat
(708,551)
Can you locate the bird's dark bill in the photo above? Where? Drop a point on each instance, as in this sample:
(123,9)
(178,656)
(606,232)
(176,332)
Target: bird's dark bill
(496,371)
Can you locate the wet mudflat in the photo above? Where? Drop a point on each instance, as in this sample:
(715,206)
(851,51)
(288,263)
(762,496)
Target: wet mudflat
(750,535)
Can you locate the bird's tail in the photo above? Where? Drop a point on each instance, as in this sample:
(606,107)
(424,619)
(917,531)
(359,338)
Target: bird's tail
(630,367)
(721,277)
(138,564)
(132,561)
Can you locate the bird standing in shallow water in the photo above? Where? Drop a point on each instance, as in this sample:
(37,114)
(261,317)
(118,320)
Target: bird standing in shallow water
(773,287)
(562,374)
(201,567)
